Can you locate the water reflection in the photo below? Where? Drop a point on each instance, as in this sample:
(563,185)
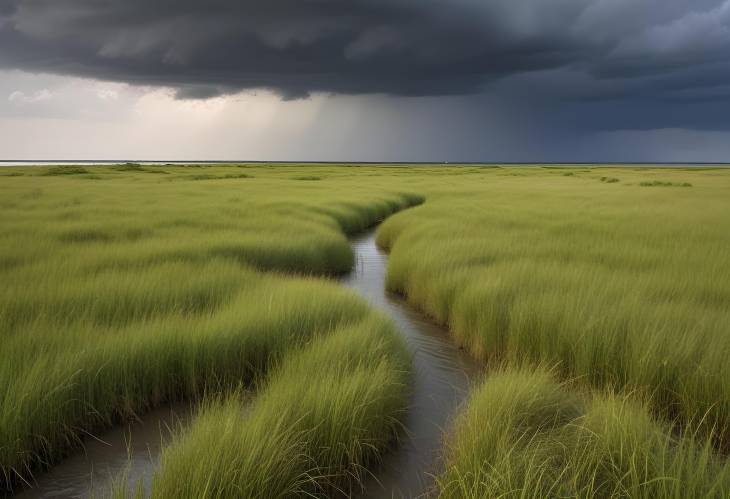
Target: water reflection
(441,381)
(133,449)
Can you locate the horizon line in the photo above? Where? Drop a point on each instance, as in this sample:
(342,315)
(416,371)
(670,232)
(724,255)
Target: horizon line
(351,162)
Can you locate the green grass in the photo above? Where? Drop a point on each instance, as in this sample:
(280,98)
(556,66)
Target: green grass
(659,183)
(205,176)
(165,343)
(128,167)
(122,295)
(615,285)
(135,290)
(526,435)
(64,170)
(327,411)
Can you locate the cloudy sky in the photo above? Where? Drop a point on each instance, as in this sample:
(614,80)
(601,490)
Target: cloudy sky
(371,80)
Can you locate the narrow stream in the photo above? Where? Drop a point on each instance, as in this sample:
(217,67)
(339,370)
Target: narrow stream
(441,382)
(133,449)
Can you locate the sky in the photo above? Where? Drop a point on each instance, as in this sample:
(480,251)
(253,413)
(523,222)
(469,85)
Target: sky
(366,80)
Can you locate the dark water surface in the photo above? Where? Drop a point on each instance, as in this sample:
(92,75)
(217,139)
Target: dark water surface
(133,449)
(443,374)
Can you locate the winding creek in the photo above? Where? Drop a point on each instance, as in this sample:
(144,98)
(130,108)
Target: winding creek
(442,376)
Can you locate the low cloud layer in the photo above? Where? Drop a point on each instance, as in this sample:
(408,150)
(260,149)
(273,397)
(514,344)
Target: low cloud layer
(670,49)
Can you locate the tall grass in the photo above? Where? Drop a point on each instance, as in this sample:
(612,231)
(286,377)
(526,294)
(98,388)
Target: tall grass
(327,411)
(122,295)
(525,435)
(86,374)
(614,284)
(131,290)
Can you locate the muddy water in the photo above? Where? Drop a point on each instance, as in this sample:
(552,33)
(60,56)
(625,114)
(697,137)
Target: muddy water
(133,449)
(442,378)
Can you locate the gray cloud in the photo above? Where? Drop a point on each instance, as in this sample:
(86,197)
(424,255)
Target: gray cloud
(399,47)
(572,65)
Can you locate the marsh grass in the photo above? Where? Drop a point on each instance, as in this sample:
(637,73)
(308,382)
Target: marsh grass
(328,411)
(619,287)
(64,170)
(113,363)
(128,167)
(205,176)
(526,435)
(123,295)
(659,183)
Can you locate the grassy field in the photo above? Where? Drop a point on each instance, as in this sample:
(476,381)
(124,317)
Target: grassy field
(618,279)
(526,435)
(616,283)
(125,289)
(329,410)
(128,286)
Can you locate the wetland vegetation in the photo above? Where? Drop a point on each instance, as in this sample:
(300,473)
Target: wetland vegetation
(600,310)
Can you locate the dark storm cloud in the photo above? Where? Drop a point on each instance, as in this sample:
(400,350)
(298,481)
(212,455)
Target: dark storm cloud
(292,46)
(672,48)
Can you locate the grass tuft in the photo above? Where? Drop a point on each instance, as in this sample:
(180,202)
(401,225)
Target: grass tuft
(206,176)
(128,167)
(327,411)
(659,183)
(64,170)
(525,435)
